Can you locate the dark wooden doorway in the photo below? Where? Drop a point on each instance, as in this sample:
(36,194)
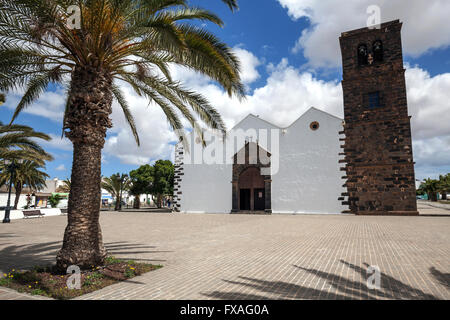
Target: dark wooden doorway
(259,199)
(248,175)
(252,190)
(245,197)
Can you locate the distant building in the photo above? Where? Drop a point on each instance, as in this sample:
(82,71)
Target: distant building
(38,198)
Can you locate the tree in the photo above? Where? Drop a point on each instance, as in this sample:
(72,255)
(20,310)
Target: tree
(444,185)
(27,174)
(2,99)
(54,200)
(65,187)
(112,42)
(141,183)
(115,185)
(430,187)
(163,180)
(18,142)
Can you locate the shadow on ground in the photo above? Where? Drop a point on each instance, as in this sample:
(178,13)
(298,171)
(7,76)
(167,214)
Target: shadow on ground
(42,254)
(443,278)
(329,286)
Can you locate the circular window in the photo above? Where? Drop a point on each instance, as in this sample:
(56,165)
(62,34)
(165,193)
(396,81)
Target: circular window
(314,125)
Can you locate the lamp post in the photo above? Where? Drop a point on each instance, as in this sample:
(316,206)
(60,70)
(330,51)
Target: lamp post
(12,170)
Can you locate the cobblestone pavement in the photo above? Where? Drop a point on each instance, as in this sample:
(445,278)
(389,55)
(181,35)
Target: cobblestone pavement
(8,294)
(255,257)
(433,209)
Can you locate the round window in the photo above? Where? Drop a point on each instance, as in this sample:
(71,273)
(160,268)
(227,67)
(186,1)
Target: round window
(314,125)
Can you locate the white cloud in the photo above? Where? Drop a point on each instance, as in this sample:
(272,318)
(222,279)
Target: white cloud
(425,24)
(49,105)
(429,103)
(57,142)
(154,132)
(61,167)
(249,64)
(287,94)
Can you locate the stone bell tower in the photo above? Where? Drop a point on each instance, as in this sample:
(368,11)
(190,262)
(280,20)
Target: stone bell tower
(378,149)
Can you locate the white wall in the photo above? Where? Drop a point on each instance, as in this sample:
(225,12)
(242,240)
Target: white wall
(208,188)
(22,200)
(309,177)
(18,214)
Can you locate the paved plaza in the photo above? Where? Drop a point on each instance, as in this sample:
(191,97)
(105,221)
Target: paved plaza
(254,257)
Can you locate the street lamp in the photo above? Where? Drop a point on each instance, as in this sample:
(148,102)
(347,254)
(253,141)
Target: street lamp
(12,170)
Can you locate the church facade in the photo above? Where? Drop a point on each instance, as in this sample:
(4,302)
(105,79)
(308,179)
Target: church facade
(320,164)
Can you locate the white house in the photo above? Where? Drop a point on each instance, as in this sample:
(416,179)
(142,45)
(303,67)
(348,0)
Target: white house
(261,167)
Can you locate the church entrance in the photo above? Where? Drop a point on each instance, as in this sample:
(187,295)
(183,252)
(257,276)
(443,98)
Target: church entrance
(251,186)
(251,189)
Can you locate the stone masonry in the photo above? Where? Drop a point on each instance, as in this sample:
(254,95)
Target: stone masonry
(178,173)
(378,152)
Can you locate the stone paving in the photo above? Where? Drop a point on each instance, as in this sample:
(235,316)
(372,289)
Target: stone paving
(254,257)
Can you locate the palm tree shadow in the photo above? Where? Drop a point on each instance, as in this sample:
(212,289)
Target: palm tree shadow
(342,288)
(443,278)
(8,235)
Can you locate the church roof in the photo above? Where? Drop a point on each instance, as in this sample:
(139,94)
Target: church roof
(312,109)
(251,115)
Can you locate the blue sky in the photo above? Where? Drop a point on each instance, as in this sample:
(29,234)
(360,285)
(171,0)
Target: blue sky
(267,32)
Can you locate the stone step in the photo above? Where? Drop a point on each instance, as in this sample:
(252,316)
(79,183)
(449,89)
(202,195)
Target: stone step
(253,212)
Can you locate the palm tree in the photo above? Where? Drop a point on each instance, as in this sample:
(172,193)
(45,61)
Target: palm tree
(444,185)
(28,174)
(116,42)
(2,99)
(65,187)
(115,185)
(430,187)
(18,142)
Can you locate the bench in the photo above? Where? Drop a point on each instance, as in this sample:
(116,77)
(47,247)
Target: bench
(32,213)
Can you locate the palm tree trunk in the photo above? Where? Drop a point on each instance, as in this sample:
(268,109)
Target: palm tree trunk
(120,198)
(116,206)
(137,202)
(86,122)
(18,192)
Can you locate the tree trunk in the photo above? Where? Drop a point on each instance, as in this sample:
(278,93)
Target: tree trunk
(18,192)
(137,202)
(120,199)
(444,195)
(159,201)
(116,206)
(433,196)
(85,124)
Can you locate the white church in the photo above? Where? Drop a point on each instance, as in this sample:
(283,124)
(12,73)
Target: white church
(260,168)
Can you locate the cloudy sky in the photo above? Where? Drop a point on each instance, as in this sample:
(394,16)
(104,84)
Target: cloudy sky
(290,54)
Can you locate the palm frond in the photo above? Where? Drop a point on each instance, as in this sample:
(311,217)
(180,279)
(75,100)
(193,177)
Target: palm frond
(126,111)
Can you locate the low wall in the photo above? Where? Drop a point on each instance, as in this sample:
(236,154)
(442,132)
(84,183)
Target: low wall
(18,214)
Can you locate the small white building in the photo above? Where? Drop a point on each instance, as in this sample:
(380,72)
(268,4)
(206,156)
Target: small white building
(261,167)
